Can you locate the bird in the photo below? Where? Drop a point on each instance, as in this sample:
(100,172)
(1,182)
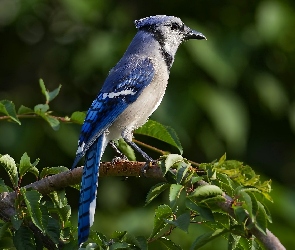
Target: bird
(132,91)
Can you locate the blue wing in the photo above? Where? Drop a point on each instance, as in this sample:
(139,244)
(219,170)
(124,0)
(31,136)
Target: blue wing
(122,87)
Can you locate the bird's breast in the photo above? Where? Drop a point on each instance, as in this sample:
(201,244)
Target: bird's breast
(137,113)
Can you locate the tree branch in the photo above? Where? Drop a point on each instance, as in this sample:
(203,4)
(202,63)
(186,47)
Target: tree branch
(120,168)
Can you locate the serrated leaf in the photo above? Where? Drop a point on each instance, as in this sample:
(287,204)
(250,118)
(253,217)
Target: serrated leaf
(170,160)
(119,235)
(248,202)
(155,191)
(10,167)
(52,171)
(233,241)
(32,199)
(240,213)
(181,171)
(24,165)
(78,117)
(182,222)
(206,191)
(8,108)
(54,93)
(207,237)
(254,206)
(163,133)
(41,108)
(196,178)
(161,213)
(140,241)
(52,229)
(44,90)
(204,212)
(23,239)
(261,222)
(24,110)
(169,244)
(174,194)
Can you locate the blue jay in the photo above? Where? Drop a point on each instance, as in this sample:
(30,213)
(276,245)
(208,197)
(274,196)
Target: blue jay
(132,91)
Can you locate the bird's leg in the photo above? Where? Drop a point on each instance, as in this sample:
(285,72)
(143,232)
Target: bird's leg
(148,159)
(121,155)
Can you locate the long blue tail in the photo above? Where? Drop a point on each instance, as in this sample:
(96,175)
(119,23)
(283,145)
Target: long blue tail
(88,189)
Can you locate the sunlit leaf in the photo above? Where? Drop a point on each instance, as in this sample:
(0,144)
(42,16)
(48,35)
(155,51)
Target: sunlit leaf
(78,117)
(54,93)
(44,90)
(163,133)
(24,110)
(161,213)
(10,167)
(32,199)
(8,108)
(155,191)
(52,171)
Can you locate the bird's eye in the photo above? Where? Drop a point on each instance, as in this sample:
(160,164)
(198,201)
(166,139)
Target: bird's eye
(175,26)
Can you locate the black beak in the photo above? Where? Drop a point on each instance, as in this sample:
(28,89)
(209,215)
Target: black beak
(192,34)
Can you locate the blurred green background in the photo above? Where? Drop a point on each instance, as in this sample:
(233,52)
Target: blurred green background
(233,93)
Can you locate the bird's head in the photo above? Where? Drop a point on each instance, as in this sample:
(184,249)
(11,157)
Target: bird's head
(169,31)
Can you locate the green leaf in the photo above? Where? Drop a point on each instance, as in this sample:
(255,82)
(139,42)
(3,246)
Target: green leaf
(248,202)
(261,218)
(174,194)
(52,171)
(240,214)
(119,235)
(16,222)
(24,165)
(181,171)
(254,206)
(53,122)
(23,239)
(206,191)
(3,229)
(205,238)
(78,117)
(54,93)
(233,241)
(8,108)
(44,90)
(204,212)
(140,242)
(24,110)
(126,149)
(119,245)
(52,229)
(155,191)
(161,213)
(169,244)
(170,160)
(10,167)
(163,133)
(182,222)
(40,109)
(32,199)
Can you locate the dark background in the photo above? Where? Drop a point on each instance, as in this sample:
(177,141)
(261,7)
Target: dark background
(233,93)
